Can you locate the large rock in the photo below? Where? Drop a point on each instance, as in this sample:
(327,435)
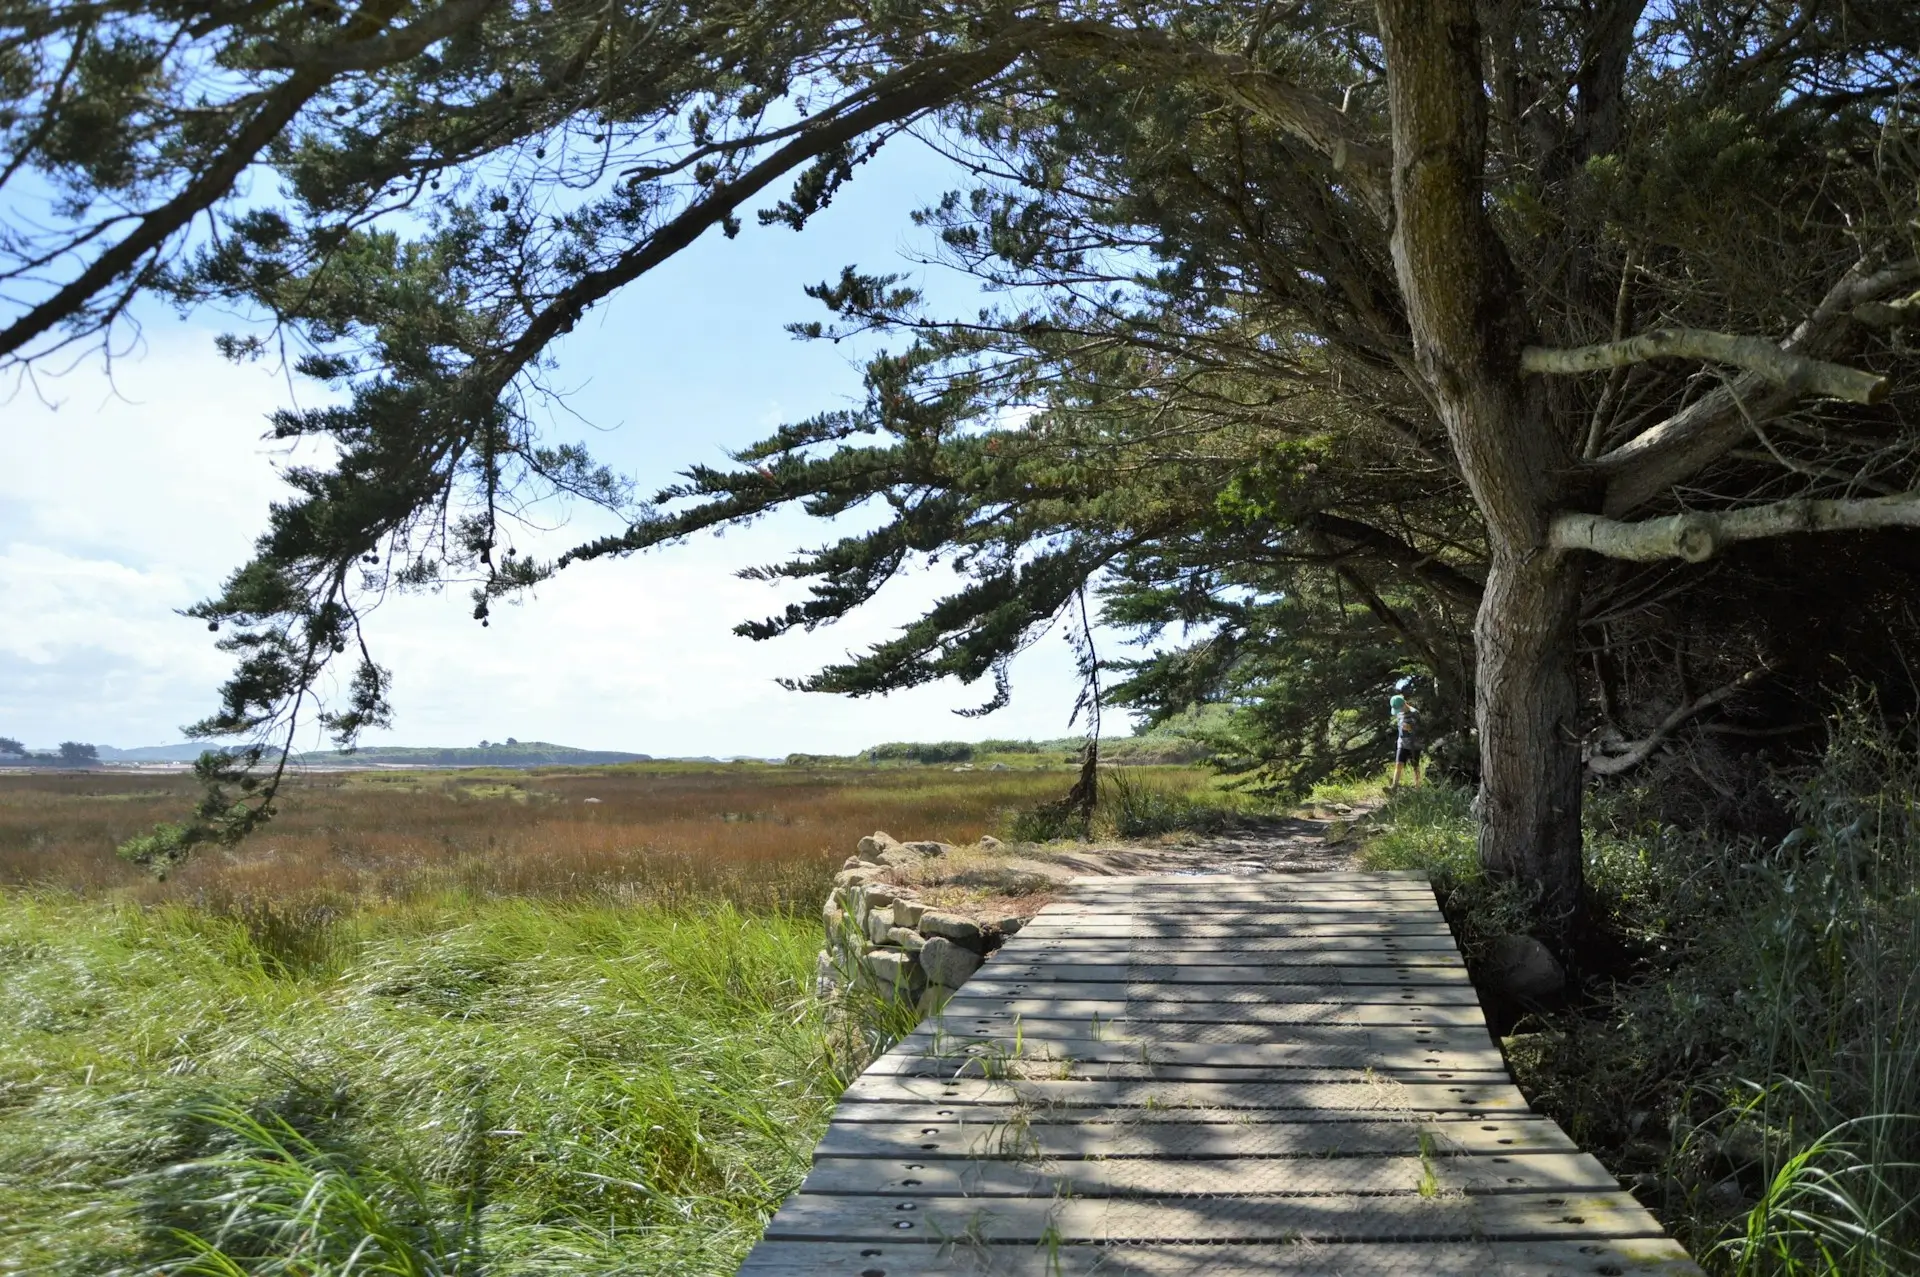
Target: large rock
(947,963)
(889,968)
(1008,925)
(874,843)
(990,843)
(903,857)
(927,848)
(858,877)
(906,938)
(907,913)
(879,923)
(1523,968)
(952,926)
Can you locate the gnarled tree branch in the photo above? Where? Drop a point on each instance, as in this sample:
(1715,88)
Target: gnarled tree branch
(1699,536)
(1756,354)
(1668,453)
(1639,751)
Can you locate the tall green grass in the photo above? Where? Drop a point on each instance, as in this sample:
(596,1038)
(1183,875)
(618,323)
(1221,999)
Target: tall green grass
(449,1086)
(1747,1051)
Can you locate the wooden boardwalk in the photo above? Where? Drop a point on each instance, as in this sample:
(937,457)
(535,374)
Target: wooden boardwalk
(1181,1075)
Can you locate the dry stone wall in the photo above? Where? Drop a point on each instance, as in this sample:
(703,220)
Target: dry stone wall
(881,939)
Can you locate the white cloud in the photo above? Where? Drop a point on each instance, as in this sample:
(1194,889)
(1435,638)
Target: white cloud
(117,510)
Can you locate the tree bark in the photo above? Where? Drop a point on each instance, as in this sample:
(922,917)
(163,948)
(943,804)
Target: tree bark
(1467,312)
(1527,705)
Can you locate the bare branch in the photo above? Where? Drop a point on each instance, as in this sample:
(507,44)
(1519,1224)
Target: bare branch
(1639,751)
(1669,452)
(1756,354)
(1699,536)
(1893,314)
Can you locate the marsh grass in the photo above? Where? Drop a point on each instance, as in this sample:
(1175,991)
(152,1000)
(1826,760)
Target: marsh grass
(1749,1056)
(553,1086)
(759,836)
(436,1023)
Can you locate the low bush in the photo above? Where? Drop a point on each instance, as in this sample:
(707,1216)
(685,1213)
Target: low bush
(1745,1046)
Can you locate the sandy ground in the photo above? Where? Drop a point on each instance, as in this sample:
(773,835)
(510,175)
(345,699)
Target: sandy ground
(1020,881)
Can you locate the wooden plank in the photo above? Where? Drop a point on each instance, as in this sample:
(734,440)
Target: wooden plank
(992,983)
(1520,1217)
(1266,939)
(1350,1095)
(1231,1044)
(1636,1257)
(1212,947)
(1271,918)
(947,1030)
(1504,1101)
(963,1008)
(1386,878)
(1021,1140)
(1067,972)
(1071,1068)
(1368,968)
(1159,1176)
(1386,928)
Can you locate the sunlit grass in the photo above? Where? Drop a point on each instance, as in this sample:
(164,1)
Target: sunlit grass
(560,1087)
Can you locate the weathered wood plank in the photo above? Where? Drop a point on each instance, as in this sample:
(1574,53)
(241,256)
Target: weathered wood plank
(1521,1217)
(909,1113)
(949,1030)
(1375,928)
(1276,942)
(964,1008)
(1021,1140)
(1066,971)
(993,982)
(1255,1044)
(1351,1095)
(1071,1069)
(1158,1176)
(1209,948)
(1638,1257)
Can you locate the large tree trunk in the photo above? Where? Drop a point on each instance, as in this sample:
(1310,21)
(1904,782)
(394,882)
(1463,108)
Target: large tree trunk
(1526,707)
(1467,312)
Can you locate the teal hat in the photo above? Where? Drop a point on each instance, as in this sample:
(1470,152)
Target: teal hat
(1396,702)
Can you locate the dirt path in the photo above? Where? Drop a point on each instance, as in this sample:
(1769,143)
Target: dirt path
(1281,846)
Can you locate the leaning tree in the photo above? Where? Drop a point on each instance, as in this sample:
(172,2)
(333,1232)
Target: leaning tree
(1500,293)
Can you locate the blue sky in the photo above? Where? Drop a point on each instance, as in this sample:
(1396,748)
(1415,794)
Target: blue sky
(132,496)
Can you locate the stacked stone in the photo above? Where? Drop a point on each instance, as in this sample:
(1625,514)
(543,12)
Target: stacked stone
(882,938)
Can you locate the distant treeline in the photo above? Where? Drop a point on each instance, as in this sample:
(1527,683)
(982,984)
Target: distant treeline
(1139,750)
(510,753)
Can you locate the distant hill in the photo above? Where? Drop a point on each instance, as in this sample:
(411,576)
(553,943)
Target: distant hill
(184,753)
(533,753)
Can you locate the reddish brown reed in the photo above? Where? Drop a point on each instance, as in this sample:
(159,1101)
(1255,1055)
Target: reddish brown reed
(761,836)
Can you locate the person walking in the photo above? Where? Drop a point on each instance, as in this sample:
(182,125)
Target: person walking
(1406,741)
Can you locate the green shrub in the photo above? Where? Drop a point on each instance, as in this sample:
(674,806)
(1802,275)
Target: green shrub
(1136,808)
(946,751)
(1746,1049)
